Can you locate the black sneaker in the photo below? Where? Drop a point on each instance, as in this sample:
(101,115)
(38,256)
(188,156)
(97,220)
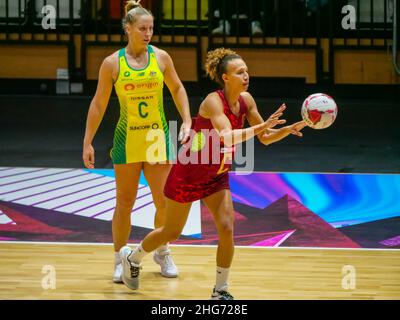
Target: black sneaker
(221,295)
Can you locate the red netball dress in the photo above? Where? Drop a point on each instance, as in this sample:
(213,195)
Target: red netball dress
(203,163)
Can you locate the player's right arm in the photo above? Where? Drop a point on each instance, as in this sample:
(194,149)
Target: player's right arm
(212,109)
(97,108)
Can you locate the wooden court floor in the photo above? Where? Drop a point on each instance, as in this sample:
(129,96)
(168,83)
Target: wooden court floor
(28,271)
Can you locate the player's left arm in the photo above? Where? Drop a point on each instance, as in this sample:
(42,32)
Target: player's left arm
(178,93)
(270,135)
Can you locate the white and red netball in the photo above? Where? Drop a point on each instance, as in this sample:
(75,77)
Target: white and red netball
(319,111)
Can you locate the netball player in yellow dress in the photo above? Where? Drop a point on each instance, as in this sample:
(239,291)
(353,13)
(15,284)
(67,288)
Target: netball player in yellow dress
(138,73)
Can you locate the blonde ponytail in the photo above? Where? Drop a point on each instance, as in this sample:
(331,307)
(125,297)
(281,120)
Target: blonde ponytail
(131,4)
(133,9)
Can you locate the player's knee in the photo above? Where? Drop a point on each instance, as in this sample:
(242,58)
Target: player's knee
(225,227)
(125,202)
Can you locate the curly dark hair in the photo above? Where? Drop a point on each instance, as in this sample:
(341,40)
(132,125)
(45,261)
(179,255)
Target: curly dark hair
(217,61)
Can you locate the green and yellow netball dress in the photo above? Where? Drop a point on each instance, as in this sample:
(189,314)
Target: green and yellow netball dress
(142,133)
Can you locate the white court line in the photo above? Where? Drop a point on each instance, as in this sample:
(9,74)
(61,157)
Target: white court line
(31,175)
(51,177)
(65,193)
(15,171)
(194,246)
(69,182)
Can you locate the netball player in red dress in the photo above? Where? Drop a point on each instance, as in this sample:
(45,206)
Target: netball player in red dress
(223,112)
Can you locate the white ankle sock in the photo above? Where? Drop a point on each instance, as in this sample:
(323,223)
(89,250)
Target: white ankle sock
(222,279)
(117,258)
(138,254)
(164,249)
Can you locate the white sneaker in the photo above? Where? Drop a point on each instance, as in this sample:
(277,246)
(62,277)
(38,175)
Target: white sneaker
(168,267)
(256,30)
(221,295)
(220,30)
(130,270)
(117,277)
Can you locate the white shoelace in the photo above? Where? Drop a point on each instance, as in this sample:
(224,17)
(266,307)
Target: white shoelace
(168,262)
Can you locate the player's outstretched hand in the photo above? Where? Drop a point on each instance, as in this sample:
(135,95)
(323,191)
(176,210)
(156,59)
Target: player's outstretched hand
(274,120)
(295,128)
